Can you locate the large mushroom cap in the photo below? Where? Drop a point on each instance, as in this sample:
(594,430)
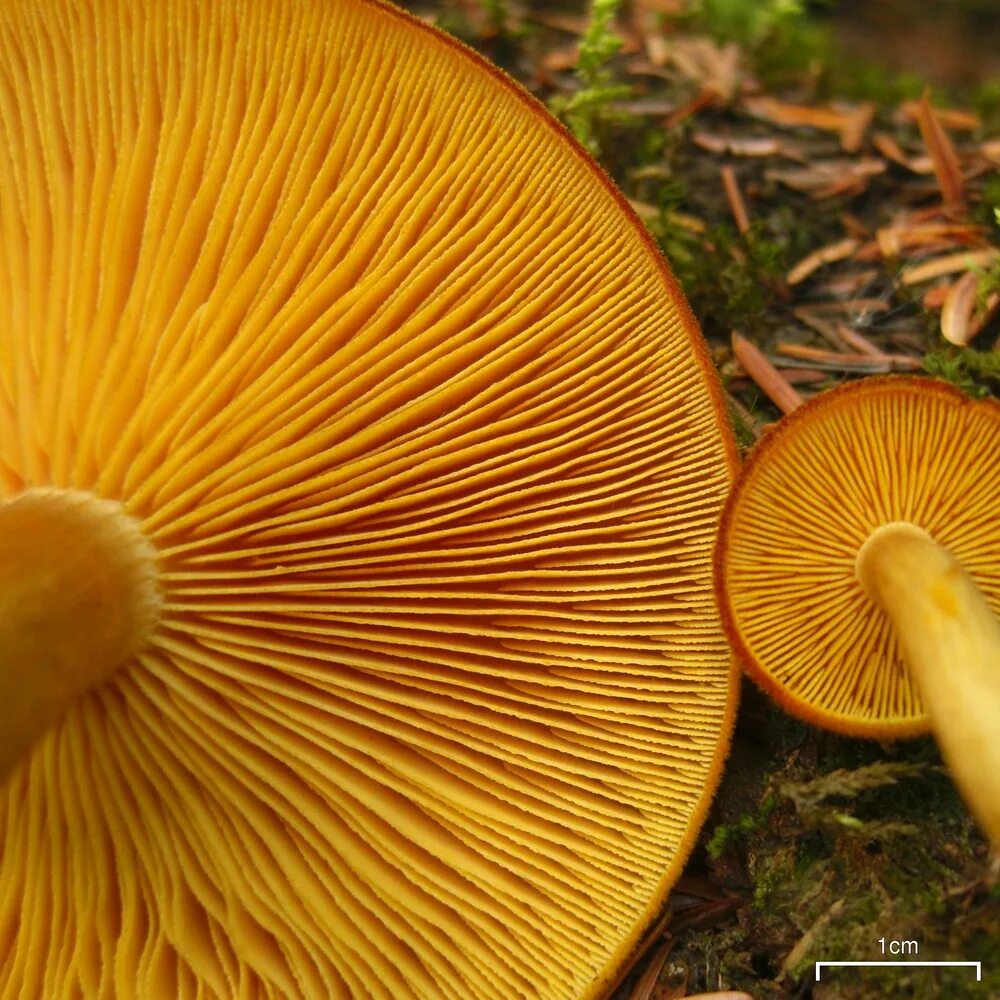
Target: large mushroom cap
(818,487)
(430,457)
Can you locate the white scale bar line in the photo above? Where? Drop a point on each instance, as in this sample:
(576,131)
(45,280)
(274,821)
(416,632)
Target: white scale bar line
(978,966)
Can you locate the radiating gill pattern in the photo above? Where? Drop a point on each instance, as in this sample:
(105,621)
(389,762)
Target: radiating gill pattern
(433,460)
(898,450)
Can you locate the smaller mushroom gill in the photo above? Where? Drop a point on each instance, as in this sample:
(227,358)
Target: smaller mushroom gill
(818,487)
(78,597)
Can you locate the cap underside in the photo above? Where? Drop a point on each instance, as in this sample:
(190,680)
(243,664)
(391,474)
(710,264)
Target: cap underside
(853,459)
(432,459)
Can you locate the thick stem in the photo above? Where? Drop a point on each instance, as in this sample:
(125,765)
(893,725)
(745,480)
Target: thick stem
(78,597)
(951,641)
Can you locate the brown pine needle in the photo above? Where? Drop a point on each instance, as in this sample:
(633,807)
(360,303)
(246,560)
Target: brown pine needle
(961,321)
(825,119)
(644,209)
(658,50)
(829,254)
(956,119)
(734,145)
(824,327)
(860,306)
(825,177)
(801,948)
(671,8)
(843,286)
(793,376)
(645,988)
(956,313)
(857,341)
(735,198)
(849,362)
(942,152)
(656,933)
(703,99)
(894,240)
(949,264)
(990,149)
(839,334)
(770,381)
(856,122)
(934,297)
(892,150)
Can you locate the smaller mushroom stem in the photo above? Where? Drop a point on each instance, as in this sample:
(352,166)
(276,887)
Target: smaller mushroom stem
(78,596)
(951,643)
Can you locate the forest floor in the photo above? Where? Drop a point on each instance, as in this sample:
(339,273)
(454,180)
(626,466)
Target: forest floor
(844,219)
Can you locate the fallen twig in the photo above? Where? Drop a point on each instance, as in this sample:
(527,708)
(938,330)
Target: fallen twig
(768,378)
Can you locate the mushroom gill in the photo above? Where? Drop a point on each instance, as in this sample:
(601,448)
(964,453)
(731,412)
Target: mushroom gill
(415,458)
(866,464)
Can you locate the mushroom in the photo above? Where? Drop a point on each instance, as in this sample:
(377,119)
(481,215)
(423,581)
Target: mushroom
(858,570)
(360,467)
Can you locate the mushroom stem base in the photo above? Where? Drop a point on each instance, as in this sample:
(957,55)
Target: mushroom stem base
(951,643)
(78,597)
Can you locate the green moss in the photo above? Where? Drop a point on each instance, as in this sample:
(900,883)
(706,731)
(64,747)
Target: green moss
(787,43)
(744,432)
(749,24)
(989,277)
(729,278)
(497,15)
(976,373)
(986,102)
(793,42)
(726,835)
(880,846)
(590,112)
(599,42)
(780,37)
(860,81)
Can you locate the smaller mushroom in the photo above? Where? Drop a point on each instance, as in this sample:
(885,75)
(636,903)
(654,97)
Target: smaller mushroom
(858,571)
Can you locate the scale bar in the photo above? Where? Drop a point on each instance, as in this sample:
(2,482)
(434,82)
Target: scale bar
(978,966)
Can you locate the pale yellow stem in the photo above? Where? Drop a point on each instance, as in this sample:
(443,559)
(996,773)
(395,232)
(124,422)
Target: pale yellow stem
(951,641)
(78,597)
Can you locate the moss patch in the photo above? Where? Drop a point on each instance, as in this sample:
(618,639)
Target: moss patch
(840,844)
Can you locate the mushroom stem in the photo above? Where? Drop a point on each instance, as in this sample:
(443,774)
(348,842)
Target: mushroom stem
(951,643)
(78,597)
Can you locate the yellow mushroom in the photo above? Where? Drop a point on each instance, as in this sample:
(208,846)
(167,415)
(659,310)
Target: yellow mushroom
(360,466)
(858,570)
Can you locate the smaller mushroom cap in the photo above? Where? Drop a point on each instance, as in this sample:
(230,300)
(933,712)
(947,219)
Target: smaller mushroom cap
(819,483)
